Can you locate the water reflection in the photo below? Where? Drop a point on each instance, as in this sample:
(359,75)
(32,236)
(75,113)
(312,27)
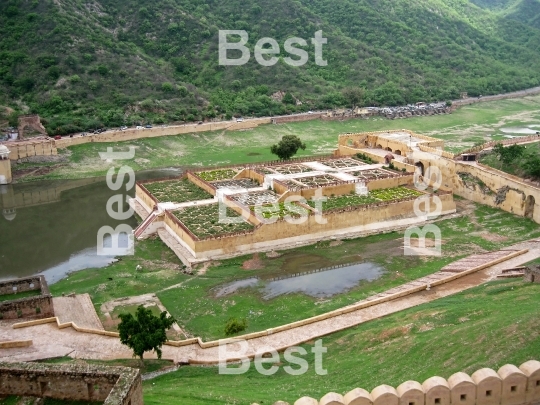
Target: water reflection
(324,283)
(530,130)
(50,227)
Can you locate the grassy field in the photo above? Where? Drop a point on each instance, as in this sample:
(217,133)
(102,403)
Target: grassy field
(460,130)
(193,301)
(488,326)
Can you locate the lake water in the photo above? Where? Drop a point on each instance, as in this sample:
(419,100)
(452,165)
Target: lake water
(528,130)
(51,227)
(318,284)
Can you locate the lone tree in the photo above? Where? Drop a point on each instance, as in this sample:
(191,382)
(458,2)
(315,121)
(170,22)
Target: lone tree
(287,147)
(145,331)
(353,95)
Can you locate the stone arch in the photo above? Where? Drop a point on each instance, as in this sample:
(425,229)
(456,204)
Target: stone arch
(378,146)
(397,152)
(31,121)
(388,149)
(420,167)
(529,206)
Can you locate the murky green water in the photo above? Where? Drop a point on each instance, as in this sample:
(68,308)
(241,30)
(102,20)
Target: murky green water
(316,283)
(51,227)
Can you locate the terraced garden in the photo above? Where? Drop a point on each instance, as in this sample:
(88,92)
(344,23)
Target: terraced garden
(280,210)
(343,201)
(317,181)
(204,222)
(375,196)
(216,175)
(396,193)
(177,191)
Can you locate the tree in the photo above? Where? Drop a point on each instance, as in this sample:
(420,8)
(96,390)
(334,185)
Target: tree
(287,147)
(288,99)
(145,331)
(531,166)
(353,95)
(509,154)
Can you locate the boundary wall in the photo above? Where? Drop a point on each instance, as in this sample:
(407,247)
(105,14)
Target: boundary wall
(510,385)
(38,306)
(110,385)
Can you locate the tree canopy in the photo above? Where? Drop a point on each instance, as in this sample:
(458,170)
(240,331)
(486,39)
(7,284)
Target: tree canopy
(144,331)
(287,147)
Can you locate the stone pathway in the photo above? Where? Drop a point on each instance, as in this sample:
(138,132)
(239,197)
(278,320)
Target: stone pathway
(49,340)
(78,309)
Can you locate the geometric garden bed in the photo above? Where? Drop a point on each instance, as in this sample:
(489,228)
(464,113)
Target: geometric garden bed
(203,221)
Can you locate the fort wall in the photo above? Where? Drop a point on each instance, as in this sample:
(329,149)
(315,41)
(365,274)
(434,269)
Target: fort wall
(510,385)
(38,306)
(110,385)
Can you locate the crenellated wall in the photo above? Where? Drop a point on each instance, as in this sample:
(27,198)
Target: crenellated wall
(510,385)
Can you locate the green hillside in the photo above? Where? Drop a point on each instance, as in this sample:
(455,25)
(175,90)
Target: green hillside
(83,65)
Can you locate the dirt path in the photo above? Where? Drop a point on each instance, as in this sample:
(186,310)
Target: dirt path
(49,340)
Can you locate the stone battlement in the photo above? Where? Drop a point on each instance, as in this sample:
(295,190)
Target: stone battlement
(510,385)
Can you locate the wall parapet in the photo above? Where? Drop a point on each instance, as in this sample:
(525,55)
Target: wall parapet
(436,151)
(110,385)
(510,385)
(37,306)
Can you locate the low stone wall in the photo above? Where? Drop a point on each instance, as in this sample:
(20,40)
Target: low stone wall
(340,220)
(510,385)
(28,148)
(110,385)
(296,118)
(39,306)
(435,151)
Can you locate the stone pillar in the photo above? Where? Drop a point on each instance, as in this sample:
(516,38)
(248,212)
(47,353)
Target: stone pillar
(5,165)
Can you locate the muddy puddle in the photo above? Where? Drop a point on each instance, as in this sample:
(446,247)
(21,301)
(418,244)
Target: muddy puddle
(319,283)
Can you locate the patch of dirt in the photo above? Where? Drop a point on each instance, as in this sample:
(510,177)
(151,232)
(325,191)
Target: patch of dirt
(33,171)
(273,254)
(158,265)
(336,243)
(394,333)
(204,268)
(493,237)
(426,327)
(254,263)
(415,242)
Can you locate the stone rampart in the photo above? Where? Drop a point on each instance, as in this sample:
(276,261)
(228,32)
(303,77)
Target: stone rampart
(38,306)
(510,385)
(110,385)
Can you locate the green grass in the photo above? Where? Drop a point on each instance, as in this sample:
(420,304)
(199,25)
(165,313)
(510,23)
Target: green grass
(19,295)
(204,221)
(487,326)
(177,191)
(200,313)
(346,200)
(516,167)
(460,130)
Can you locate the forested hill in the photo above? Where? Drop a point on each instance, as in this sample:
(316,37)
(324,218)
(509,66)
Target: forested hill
(83,64)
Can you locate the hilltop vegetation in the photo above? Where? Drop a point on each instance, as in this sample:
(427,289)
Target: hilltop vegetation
(86,64)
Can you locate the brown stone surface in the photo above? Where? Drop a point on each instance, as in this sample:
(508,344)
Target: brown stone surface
(78,309)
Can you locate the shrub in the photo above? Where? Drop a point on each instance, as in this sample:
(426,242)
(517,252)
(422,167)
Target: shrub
(234,326)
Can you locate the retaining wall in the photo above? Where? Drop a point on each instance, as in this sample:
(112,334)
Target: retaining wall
(510,385)
(39,306)
(110,385)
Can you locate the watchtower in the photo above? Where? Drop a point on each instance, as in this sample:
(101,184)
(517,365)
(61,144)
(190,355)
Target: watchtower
(5,165)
